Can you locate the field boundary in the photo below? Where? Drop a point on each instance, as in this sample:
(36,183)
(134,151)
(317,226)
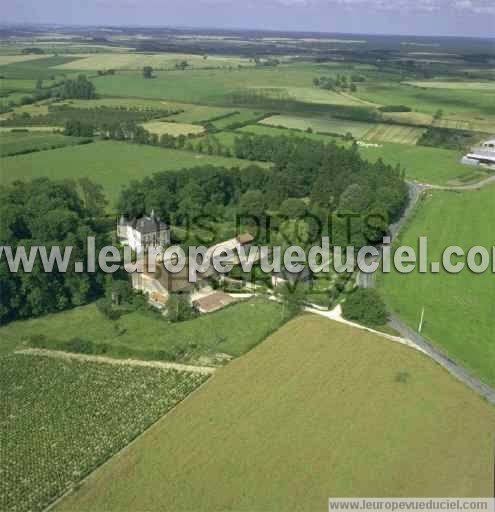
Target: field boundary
(59,354)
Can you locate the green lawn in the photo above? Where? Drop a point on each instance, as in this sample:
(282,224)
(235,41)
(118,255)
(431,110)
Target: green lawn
(233,330)
(459,308)
(319,409)
(424,164)
(272,131)
(112,164)
(12,143)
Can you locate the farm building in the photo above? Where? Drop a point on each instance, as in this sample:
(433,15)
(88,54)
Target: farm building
(483,154)
(213,302)
(143,233)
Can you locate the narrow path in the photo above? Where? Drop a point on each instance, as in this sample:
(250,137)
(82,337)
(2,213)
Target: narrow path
(58,354)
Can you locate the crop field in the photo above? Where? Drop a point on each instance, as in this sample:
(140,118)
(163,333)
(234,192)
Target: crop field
(472,102)
(112,164)
(133,61)
(394,133)
(21,142)
(467,84)
(241,116)
(61,419)
(196,113)
(424,164)
(174,129)
(318,124)
(33,69)
(272,131)
(13,59)
(318,409)
(145,336)
(459,308)
(218,85)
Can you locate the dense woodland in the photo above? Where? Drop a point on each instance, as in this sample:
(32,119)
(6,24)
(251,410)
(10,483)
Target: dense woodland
(48,213)
(324,178)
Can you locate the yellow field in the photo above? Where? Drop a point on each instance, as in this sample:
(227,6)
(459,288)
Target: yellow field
(461,123)
(157,61)
(418,118)
(394,133)
(436,84)
(174,129)
(12,59)
(31,128)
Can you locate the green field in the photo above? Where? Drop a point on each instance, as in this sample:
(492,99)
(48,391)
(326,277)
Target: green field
(12,143)
(475,103)
(217,85)
(466,84)
(319,124)
(61,419)
(112,164)
(424,164)
(233,330)
(459,308)
(394,133)
(317,410)
(272,131)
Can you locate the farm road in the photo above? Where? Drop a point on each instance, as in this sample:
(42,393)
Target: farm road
(206,370)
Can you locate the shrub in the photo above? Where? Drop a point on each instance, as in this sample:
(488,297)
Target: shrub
(366,307)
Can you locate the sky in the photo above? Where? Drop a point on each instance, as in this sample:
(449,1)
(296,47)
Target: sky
(411,17)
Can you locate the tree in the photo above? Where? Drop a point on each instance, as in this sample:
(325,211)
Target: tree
(148,72)
(81,88)
(252,203)
(366,307)
(292,296)
(39,84)
(179,307)
(354,199)
(293,208)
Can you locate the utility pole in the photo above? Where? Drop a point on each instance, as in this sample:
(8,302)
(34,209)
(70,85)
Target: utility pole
(420,326)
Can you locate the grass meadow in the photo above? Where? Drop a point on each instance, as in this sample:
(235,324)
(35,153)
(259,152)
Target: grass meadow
(318,409)
(110,163)
(459,308)
(233,330)
(424,164)
(319,124)
(19,142)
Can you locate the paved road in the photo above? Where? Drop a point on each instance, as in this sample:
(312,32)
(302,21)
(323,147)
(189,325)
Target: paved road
(436,354)
(368,281)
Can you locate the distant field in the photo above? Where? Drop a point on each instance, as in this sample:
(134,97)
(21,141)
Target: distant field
(319,124)
(463,85)
(414,118)
(112,164)
(60,420)
(318,409)
(196,113)
(145,335)
(459,308)
(132,61)
(12,59)
(174,129)
(219,86)
(475,103)
(394,133)
(17,142)
(272,131)
(242,116)
(427,165)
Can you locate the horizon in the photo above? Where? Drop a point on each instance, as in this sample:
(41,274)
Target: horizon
(421,18)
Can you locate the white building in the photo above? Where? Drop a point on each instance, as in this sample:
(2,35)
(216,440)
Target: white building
(482,154)
(143,233)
